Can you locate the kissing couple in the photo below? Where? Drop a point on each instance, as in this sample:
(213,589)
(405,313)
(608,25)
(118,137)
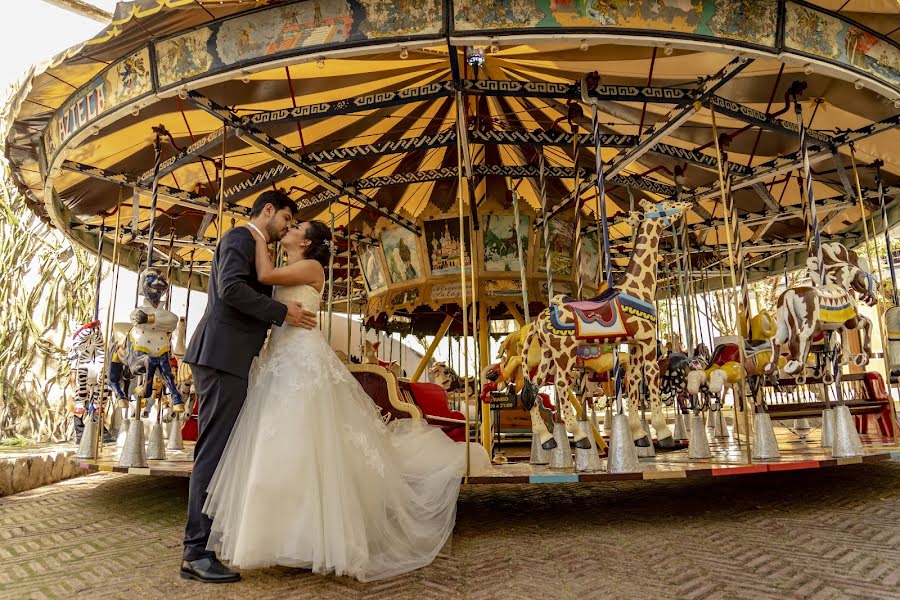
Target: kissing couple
(293,463)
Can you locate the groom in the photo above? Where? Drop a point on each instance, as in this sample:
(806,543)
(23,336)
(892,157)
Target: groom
(238,315)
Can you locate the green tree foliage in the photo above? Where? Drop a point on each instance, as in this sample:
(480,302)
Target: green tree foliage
(46,292)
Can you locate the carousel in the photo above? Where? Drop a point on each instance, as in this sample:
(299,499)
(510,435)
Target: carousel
(558,195)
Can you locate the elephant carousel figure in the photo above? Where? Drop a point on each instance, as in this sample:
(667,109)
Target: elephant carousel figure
(143,348)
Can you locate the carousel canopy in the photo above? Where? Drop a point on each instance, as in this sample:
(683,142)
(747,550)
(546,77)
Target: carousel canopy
(361,110)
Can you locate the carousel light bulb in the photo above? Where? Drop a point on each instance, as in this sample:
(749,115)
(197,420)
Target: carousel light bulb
(475,56)
(808,69)
(135,111)
(495,47)
(95,130)
(859,84)
(182,93)
(245,77)
(320,62)
(584,46)
(404,53)
(668,50)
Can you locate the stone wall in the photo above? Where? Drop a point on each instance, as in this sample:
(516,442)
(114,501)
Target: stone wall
(25,470)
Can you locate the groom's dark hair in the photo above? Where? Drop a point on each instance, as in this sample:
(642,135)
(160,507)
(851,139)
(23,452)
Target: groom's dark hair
(276,198)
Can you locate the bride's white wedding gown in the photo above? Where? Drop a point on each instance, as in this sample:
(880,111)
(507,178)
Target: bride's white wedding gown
(312,477)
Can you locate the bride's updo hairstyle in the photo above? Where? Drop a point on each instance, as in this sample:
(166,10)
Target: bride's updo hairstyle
(319,236)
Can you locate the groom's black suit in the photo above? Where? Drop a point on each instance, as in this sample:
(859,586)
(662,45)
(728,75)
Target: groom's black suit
(239,312)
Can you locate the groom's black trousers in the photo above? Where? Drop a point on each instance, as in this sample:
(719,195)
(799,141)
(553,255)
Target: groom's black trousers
(221,397)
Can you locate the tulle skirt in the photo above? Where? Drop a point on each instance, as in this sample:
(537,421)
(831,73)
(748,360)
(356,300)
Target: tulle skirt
(312,477)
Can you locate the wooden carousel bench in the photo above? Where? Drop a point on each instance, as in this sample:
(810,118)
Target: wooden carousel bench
(864,394)
(402,399)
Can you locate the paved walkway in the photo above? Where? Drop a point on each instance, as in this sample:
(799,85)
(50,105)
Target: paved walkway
(819,534)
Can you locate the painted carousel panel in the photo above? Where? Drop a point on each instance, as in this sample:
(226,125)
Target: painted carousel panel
(372,268)
(290,29)
(501,254)
(750,21)
(119,83)
(401,250)
(819,34)
(562,236)
(445,255)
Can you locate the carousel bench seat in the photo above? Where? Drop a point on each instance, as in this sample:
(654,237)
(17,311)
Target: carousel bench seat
(432,401)
(402,399)
(864,394)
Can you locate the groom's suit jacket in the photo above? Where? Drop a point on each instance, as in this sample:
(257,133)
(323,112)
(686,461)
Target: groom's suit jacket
(239,309)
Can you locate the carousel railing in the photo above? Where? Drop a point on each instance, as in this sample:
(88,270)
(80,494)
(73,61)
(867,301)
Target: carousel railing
(863,393)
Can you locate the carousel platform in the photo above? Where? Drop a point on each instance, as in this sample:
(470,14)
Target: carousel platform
(729,459)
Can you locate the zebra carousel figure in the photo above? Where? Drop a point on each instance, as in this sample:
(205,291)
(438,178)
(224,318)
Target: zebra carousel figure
(86,359)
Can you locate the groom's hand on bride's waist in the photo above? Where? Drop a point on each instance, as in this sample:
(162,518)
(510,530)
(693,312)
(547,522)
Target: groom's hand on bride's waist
(297,316)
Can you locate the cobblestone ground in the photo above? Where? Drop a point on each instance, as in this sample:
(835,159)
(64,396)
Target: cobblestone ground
(830,533)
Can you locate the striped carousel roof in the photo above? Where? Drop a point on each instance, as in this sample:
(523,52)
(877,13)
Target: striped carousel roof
(351,106)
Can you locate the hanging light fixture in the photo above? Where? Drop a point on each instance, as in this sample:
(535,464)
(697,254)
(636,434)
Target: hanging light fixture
(475,56)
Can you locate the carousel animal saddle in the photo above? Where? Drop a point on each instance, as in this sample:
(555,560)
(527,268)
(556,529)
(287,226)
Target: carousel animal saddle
(607,319)
(835,304)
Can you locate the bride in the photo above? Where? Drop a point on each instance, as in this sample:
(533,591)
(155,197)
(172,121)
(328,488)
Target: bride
(311,476)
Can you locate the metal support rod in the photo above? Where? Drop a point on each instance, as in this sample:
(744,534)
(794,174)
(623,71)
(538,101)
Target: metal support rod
(154,194)
(887,231)
(464,342)
(109,316)
(521,255)
(814,240)
(100,263)
(601,197)
(330,302)
(870,254)
(542,166)
(734,281)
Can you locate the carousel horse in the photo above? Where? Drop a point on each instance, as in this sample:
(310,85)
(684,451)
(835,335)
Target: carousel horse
(512,356)
(825,306)
(445,376)
(625,313)
(370,357)
(142,347)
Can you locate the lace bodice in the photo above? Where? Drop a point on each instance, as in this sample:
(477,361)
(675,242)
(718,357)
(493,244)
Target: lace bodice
(304,295)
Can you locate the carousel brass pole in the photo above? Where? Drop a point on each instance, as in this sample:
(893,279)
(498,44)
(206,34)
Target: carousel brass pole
(101,380)
(731,221)
(879,313)
(461,124)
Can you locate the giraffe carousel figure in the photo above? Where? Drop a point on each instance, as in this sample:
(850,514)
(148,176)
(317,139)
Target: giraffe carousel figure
(569,330)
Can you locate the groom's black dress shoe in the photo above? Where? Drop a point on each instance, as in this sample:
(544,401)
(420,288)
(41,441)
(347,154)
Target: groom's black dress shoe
(208,570)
